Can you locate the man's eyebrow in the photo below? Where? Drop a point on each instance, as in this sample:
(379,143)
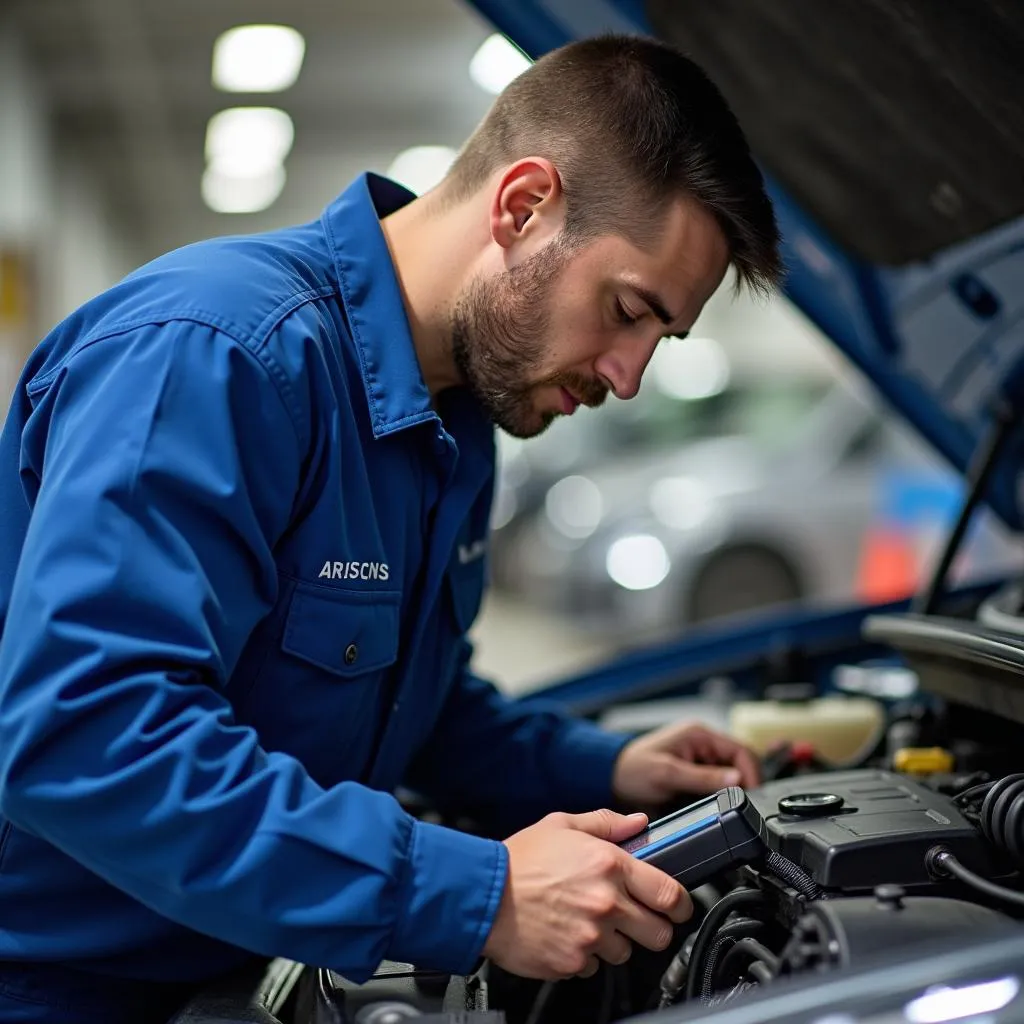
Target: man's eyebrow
(655,303)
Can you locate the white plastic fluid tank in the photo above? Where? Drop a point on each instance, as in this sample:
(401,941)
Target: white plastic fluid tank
(840,728)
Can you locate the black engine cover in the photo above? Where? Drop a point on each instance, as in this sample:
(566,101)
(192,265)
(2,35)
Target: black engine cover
(880,833)
(846,932)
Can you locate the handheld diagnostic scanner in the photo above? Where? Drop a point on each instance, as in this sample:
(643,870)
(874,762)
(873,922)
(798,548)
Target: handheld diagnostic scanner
(695,843)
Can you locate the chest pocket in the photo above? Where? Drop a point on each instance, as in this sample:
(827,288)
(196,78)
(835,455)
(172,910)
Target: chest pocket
(346,633)
(321,689)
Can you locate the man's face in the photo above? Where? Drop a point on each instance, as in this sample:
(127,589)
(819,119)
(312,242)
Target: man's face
(563,327)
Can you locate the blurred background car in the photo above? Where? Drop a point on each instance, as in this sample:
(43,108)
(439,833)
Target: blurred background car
(692,390)
(718,491)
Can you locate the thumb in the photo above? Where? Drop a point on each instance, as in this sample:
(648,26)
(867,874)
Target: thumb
(605,824)
(702,778)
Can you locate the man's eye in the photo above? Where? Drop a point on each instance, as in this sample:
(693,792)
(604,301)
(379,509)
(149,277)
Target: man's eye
(623,315)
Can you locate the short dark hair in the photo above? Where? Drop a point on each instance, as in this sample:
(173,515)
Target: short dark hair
(631,124)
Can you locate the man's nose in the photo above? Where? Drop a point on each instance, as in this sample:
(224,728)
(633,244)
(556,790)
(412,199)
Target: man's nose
(623,367)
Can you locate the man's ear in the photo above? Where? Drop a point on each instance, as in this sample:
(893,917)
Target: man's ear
(527,203)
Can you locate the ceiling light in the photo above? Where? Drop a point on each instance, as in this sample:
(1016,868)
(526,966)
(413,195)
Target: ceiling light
(574,506)
(692,369)
(420,168)
(248,141)
(680,502)
(226,193)
(497,63)
(258,58)
(637,562)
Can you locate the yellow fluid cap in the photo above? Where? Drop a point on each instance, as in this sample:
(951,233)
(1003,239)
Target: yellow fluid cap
(923,760)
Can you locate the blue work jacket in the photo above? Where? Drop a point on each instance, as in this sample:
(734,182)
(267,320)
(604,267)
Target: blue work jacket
(240,549)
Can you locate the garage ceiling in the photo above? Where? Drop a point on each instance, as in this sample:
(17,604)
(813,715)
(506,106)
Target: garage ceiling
(129,85)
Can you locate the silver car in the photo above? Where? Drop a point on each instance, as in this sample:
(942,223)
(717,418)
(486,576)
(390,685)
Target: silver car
(814,494)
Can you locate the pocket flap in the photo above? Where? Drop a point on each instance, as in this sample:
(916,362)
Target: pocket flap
(342,631)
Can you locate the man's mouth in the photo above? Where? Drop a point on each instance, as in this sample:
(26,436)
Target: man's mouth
(569,403)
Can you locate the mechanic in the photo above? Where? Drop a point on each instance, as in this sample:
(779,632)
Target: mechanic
(245,499)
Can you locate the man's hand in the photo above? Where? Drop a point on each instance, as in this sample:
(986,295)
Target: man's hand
(659,766)
(572,897)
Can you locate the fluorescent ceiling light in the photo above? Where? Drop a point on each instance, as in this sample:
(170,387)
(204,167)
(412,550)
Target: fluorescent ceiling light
(258,58)
(248,141)
(225,193)
(420,168)
(497,63)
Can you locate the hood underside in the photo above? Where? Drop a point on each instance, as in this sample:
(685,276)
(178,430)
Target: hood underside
(897,124)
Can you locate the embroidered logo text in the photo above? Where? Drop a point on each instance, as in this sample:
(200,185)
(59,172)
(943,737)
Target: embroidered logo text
(355,571)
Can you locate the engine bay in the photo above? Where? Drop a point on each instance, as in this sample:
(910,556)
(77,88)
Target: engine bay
(850,882)
(862,868)
(852,878)
(856,879)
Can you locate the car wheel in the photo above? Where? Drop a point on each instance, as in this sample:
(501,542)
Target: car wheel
(741,579)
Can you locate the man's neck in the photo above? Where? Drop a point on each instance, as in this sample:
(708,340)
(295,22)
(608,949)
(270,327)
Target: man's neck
(432,248)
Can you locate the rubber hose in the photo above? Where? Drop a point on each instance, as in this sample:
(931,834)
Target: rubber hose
(728,934)
(710,926)
(942,861)
(1002,815)
(755,951)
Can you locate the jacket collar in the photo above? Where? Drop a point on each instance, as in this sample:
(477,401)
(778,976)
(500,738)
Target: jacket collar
(396,392)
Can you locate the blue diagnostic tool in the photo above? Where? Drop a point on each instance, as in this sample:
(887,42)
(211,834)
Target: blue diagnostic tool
(695,843)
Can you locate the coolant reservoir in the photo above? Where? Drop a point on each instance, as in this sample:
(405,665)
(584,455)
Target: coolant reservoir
(841,729)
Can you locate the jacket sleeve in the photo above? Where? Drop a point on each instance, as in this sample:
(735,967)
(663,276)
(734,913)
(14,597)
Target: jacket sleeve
(510,764)
(162,464)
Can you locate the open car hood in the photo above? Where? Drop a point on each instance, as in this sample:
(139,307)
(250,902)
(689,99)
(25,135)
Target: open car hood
(891,134)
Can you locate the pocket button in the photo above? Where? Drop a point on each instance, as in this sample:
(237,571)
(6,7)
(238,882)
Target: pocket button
(351,653)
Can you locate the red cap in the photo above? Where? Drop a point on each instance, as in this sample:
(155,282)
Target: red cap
(802,752)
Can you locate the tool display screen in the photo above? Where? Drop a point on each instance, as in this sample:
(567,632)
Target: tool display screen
(691,820)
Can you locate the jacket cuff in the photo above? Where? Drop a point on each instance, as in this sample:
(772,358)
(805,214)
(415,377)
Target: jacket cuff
(586,756)
(450,895)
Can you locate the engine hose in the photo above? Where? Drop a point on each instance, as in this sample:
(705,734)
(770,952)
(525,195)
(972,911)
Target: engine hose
(709,929)
(754,952)
(1002,816)
(708,982)
(795,876)
(941,861)
(972,793)
(728,935)
(761,972)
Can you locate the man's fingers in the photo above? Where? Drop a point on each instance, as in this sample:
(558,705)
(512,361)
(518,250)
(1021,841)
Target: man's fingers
(645,927)
(749,768)
(605,824)
(703,778)
(614,949)
(593,966)
(714,748)
(654,889)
